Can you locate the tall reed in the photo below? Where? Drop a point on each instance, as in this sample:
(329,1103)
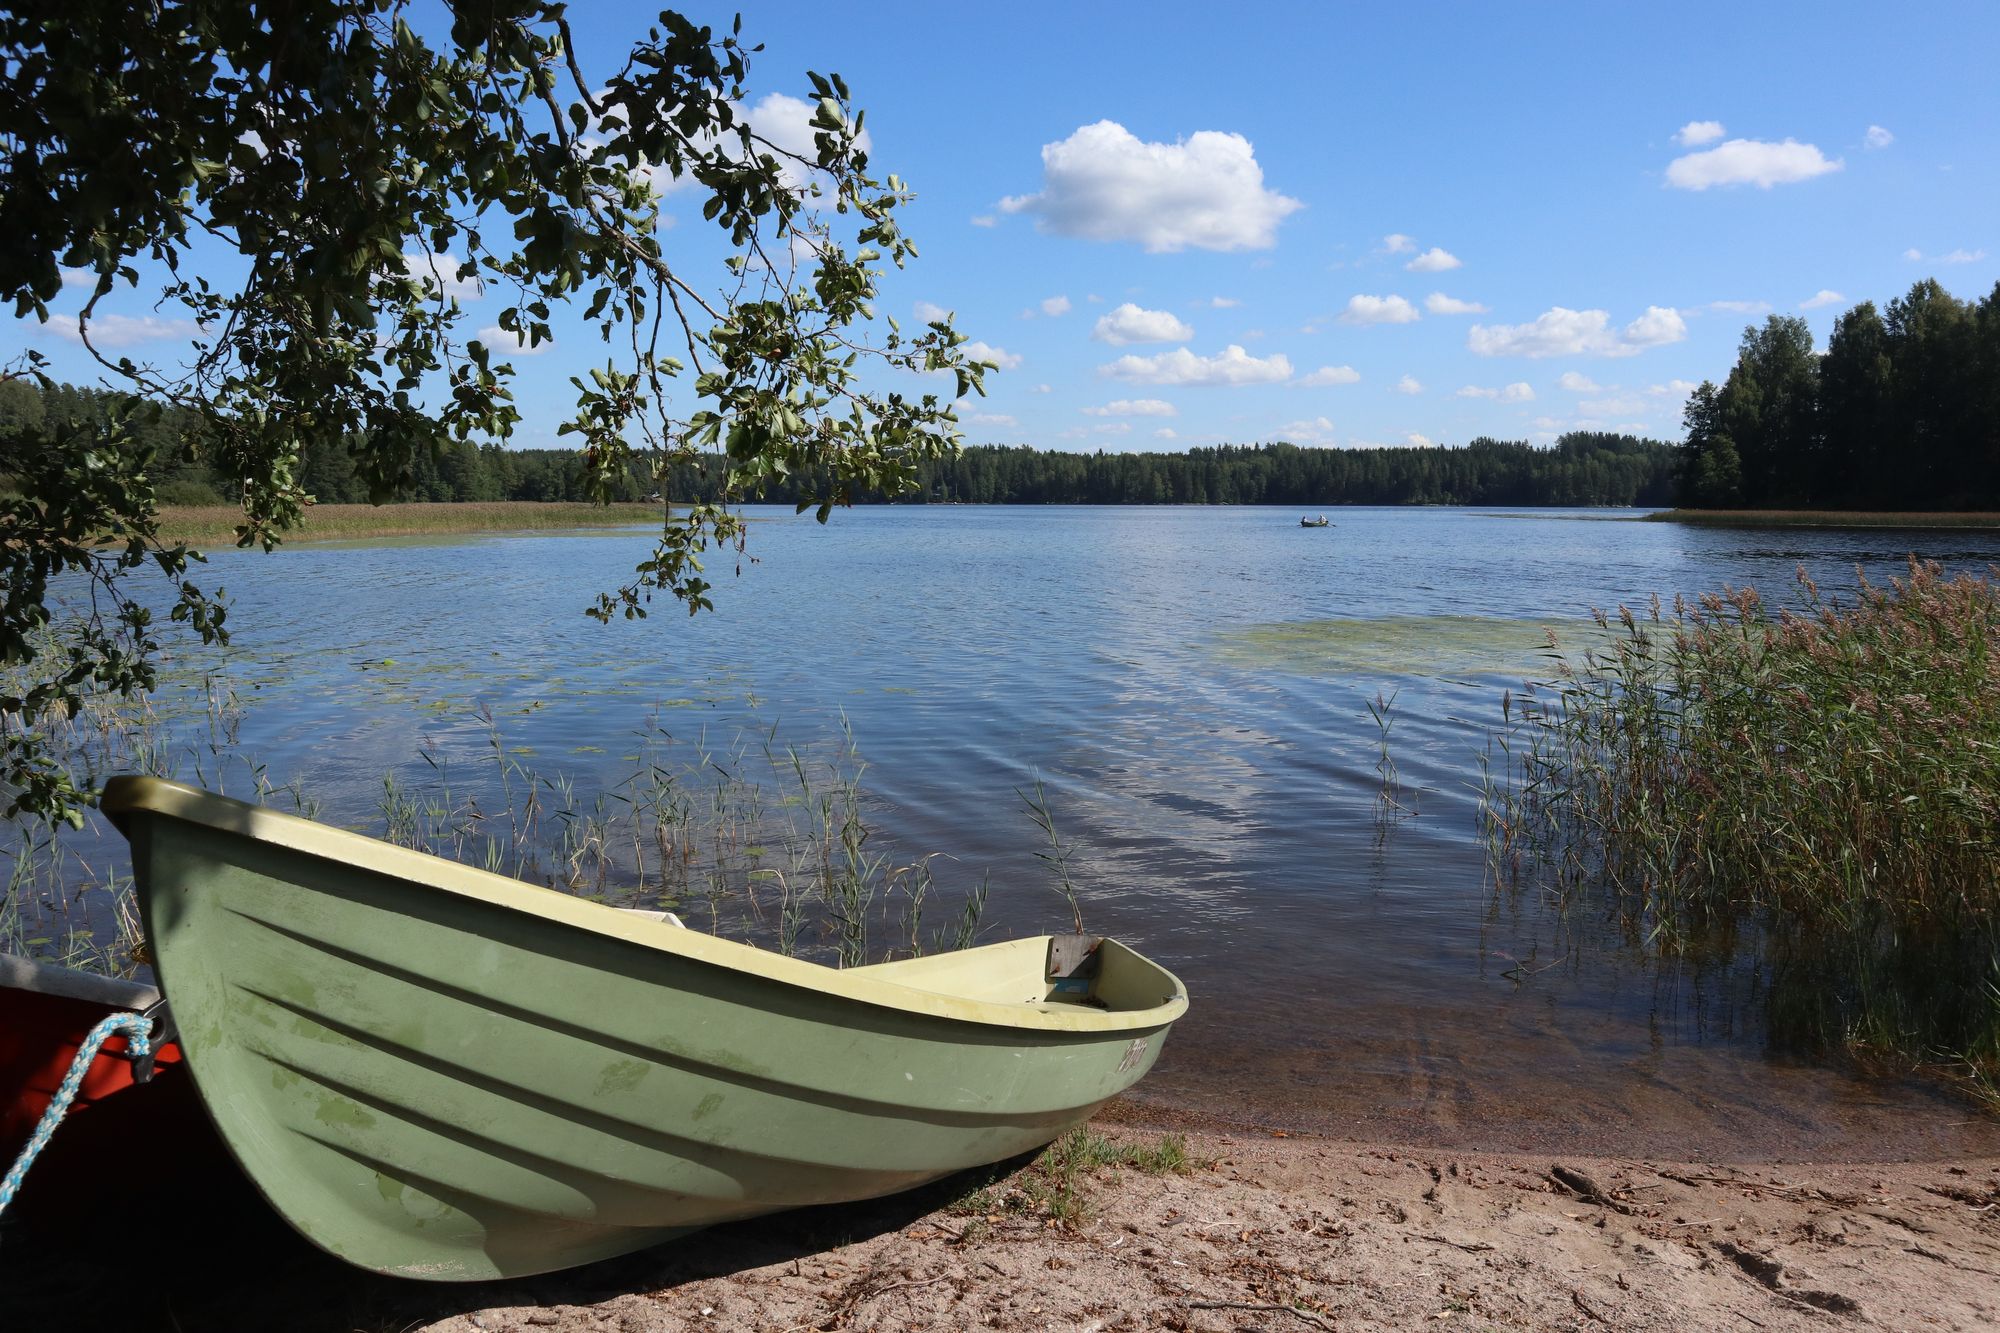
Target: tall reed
(707,831)
(1819,783)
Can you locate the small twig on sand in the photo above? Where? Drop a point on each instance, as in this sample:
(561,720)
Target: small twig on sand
(1474,1248)
(1581,1185)
(1584,1306)
(846,1310)
(1306,1315)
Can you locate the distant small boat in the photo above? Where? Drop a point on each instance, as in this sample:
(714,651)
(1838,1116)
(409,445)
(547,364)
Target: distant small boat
(436,1072)
(1320,522)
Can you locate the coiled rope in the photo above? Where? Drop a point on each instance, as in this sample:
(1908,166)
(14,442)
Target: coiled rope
(138,1030)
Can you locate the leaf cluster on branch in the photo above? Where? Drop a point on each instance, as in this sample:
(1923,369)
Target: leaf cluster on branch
(318,181)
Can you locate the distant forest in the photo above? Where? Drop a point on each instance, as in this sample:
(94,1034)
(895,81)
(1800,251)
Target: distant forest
(1581,469)
(1902,411)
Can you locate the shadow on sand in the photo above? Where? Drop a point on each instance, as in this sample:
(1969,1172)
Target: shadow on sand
(212,1256)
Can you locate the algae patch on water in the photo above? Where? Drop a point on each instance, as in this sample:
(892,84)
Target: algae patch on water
(1448,645)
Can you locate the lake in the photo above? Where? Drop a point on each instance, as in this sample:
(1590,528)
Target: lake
(1192,687)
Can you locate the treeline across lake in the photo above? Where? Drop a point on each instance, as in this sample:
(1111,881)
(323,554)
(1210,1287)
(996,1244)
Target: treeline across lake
(182,476)
(1902,411)
(1580,469)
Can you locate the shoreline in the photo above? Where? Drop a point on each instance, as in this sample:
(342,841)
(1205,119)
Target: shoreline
(1256,1231)
(212,524)
(1825,518)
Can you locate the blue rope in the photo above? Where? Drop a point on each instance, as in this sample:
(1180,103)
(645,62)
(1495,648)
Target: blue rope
(139,1041)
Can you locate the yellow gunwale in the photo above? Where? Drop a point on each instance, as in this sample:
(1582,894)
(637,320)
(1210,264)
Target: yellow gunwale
(125,795)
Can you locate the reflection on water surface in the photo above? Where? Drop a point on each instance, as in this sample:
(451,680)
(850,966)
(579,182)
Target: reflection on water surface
(1191,685)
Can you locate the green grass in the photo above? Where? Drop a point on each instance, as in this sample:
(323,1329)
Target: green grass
(1819,786)
(211,525)
(1051,1188)
(1823,518)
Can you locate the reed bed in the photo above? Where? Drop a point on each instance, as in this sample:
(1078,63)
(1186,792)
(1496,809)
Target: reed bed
(1827,518)
(1818,784)
(766,842)
(215,525)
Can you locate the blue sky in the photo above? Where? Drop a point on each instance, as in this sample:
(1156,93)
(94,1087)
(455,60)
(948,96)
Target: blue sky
(1413,223)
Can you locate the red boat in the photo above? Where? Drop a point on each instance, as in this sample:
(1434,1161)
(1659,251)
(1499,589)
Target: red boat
(126,1112)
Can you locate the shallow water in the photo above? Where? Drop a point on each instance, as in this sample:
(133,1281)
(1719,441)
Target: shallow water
(1192,686)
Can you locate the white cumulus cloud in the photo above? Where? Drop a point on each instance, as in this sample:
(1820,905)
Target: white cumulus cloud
(1659,326)
(1129,323)
(511,344)
(1517,392)
(1962,256)
(1134,407)
(1395,243)
(1222,303)
(1825,296)
(1229,367)
(1318,430)
(1416,441)
(1741,307)
(439,273)
(1378,310)
(1440,304)
(929,313)
(1577,383)
(1434,260)
(1877,137)
(1103,183)
(1560,331)
(1328,375)
(124,330)
(991,355)
(1409,384)
(1698,132)
(1055,305)
(787,123)
(1750,162)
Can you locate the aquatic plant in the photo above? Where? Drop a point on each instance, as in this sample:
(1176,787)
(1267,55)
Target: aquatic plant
(702,830)
(1057,854)
(1819,782)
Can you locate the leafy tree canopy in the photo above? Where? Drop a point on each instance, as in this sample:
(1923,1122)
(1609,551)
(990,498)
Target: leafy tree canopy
(359,163)
(1901,411)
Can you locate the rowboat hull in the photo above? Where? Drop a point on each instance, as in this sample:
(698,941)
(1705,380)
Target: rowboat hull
(438,1073)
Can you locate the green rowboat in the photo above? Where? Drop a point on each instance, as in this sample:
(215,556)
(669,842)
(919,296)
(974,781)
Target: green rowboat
(436,1072)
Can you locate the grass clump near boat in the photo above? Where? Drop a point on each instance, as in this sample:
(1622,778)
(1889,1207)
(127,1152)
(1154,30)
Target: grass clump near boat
(1819,785)
(1052,1187)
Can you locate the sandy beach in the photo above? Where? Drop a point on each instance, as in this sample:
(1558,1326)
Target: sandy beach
(1260,1230)
(1294,1234)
